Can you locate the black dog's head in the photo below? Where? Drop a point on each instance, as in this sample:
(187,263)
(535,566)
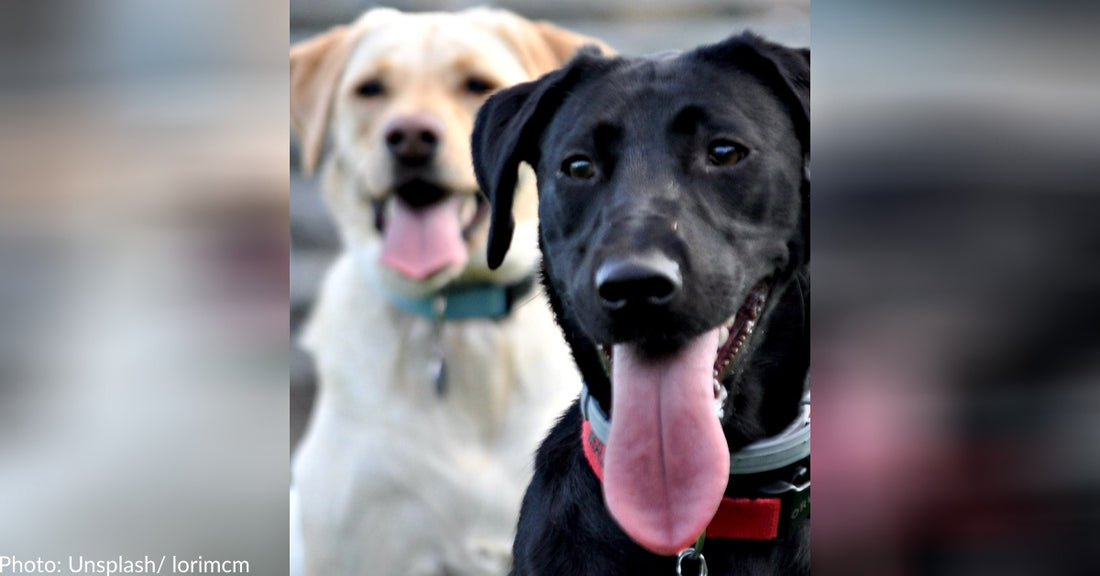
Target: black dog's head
(674,210)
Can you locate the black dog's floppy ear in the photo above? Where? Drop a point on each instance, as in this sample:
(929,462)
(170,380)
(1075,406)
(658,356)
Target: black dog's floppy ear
(786,70)
(507,132)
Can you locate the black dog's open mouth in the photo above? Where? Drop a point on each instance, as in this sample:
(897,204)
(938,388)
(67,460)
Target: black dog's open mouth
(666,459)
(733,334)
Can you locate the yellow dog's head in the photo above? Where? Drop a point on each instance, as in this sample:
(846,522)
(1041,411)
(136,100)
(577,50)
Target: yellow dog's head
(396,95)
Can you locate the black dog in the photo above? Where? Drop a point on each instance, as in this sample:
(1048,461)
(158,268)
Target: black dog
(674,224)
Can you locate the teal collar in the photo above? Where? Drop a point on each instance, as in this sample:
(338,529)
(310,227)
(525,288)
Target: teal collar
(469,302)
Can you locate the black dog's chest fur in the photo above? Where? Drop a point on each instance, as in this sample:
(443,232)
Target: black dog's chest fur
(726,227)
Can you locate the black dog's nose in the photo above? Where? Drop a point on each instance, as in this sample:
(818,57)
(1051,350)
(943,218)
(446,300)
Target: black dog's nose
(413,139)
(651,278)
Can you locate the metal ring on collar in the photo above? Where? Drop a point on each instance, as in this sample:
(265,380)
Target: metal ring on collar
(691,554)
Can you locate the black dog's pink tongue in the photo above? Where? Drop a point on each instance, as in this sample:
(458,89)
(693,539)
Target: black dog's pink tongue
(666,463)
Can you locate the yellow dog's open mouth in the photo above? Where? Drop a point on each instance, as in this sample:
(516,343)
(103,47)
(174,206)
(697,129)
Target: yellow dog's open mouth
(420,241)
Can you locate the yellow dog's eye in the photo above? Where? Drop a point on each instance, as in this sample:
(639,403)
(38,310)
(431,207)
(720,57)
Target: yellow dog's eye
(579,167)
(479,86)
(370,89)
(725,153)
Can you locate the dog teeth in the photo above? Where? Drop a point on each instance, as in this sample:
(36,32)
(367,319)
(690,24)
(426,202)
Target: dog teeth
(606,357)
(468,210)
(723,335)
(719,399)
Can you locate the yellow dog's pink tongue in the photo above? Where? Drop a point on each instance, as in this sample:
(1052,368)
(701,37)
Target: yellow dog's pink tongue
(420,242)
(666,463)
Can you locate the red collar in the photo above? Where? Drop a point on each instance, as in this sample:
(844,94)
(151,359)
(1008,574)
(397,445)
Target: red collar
(736,519)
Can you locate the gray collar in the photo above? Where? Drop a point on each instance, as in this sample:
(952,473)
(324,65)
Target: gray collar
(773,453)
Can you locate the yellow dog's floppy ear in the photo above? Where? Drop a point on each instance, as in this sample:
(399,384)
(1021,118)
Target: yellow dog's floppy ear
(541,46)
(315,69)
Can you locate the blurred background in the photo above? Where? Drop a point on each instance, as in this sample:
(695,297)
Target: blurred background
(144,263)
(629,26)
(143,281)
(956,342)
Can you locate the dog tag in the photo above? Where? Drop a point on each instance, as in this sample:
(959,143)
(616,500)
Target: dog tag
(437,366)
(437,369)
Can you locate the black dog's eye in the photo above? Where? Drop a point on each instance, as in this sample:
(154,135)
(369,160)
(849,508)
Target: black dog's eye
(478,86)
(579,167)
(725,153)
(370,89)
